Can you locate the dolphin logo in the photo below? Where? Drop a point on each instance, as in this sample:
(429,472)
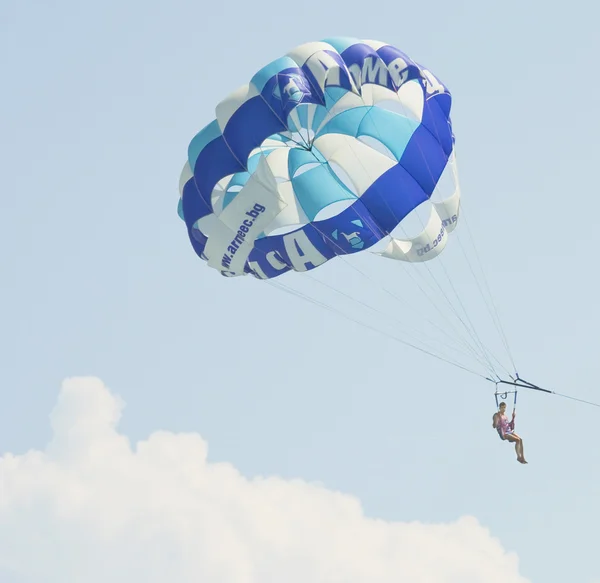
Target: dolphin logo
(291,88)
(353,239)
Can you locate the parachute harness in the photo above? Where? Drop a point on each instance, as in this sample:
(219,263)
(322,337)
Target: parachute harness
(518,383)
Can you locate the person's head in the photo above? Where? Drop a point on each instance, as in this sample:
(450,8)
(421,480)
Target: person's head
(502,407)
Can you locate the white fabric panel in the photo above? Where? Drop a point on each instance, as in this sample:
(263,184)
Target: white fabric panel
(312,108)
(226,108)
(412,99)
(446,196)
(372,94)
(292,214)
(241,220)
(186,174)
(218,194)
(327,71)
(277,163)
(267,144)
(448,210)
(374,44)
(408,101)
(432,83)
(425,246)
(348,101)
(377,145)
(362,164)
(302,53)
(208,224)
(295,124)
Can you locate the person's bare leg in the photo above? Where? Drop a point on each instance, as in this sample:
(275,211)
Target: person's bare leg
(522,460)
(518,446)
(519,449)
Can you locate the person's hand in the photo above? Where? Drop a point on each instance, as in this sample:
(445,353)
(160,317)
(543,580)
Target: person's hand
(514,413)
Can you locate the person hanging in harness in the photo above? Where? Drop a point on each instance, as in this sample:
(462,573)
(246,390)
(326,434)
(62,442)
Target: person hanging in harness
(506,430)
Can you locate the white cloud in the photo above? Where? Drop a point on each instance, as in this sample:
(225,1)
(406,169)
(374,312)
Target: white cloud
(90,508)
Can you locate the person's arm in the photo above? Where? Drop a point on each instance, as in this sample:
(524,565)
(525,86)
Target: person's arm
(512,421)
(498,426)
(495,420)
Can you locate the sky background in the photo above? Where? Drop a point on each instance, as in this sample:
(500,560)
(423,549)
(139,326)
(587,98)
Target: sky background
(98,279)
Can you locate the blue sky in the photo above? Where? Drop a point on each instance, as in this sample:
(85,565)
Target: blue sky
(98,277)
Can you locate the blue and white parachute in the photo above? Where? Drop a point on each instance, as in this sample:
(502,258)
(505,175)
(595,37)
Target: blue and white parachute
(327,151)
(343,148)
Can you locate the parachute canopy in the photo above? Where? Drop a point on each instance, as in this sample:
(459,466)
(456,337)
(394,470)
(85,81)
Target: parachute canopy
(327,151)
(342,147)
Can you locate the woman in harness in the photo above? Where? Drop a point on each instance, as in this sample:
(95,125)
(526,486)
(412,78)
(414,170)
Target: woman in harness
(506,430)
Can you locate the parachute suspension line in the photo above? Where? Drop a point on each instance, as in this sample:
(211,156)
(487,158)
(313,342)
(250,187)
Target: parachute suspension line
(412,306)
(435,304)
(458,337)
(387,291)
(494,313)
(486,354)
(283,122)
(476,356)
(266,186)
(300,295)
(427,350)
(496,320)
(471,332)
(478,359)
(400,299)
(430,347)
(470,329)
(489,355)
(335,244)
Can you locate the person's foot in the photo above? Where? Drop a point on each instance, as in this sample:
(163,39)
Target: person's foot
(521,460)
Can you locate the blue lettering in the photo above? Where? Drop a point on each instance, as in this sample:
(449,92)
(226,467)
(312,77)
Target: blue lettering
(241,234)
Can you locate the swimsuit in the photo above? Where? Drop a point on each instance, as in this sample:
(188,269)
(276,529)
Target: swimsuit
(504,427)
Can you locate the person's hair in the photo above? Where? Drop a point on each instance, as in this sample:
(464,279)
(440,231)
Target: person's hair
(503,403)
